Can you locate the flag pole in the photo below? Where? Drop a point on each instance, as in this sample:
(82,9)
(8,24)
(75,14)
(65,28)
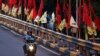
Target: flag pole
(77,16)
(79,23)
(22,10)
(76,20)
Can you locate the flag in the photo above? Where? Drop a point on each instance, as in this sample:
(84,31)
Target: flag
(97,22)
(19,10)
(86,18)
(25,7)
(37,19)
(30,4)
(6,9)
(69,14)
(34,13)
(58,20)
(58,16)
(41,8)
(14,11)
(65,9)
(92,30)
(15,3)
(29,16)
(58,10)
(3,6)
(40,11)
(10,3)
(73,23)
(19,7)
(62,25)
(20,1)
(34,10)
(43,18)
(52,21)
(79,15)
(0,4)
(96,19)
(63,22)
(91,7)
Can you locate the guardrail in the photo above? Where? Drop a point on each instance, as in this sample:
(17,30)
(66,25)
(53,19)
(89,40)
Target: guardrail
(67,45)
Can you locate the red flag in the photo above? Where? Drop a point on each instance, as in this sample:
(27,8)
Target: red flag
(58,10)
(41,8)
(65,10)
(86,18)
(10,3)
(0,4)
(79,14)
(58,19)
(69,14)
(58,16)
(97,22)
(19,2)
(25,2)
(15,3)
(30,4)
(34,10)
(91,7)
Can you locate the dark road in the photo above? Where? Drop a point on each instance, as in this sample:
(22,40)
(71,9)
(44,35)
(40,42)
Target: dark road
(11,45)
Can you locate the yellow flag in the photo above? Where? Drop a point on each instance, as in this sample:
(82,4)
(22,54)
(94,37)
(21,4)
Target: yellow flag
(29,17)
(62,25)
(14,11)
(92,30)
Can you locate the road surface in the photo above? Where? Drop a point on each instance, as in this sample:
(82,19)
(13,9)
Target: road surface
(11,45)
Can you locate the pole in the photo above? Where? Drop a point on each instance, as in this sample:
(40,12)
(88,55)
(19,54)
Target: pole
(77,17)
(22,10)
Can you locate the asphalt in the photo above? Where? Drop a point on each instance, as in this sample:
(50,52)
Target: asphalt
(11,45)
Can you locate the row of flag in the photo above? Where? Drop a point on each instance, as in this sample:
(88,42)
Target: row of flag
(88,16)
(86,13)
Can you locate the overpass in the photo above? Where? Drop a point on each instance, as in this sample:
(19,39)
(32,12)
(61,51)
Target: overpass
(57,42)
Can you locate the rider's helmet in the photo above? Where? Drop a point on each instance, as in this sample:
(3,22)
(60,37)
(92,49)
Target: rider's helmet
(29,32)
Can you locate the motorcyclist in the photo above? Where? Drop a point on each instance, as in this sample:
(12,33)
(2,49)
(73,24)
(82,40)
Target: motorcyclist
(27,38)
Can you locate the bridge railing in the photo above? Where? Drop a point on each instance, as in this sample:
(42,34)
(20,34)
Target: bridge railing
(64,44)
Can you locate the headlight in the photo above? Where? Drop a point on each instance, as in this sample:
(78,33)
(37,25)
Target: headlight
(31,48)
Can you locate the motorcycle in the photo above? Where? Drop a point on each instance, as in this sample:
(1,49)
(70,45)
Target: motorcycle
(30,48)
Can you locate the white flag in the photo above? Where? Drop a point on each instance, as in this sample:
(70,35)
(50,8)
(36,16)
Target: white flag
(37,19)
(19,11)
(43,19)
(3,6)
(73,23)
(52,20)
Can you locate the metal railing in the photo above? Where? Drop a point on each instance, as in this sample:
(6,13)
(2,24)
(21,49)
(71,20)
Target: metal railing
(67,45)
